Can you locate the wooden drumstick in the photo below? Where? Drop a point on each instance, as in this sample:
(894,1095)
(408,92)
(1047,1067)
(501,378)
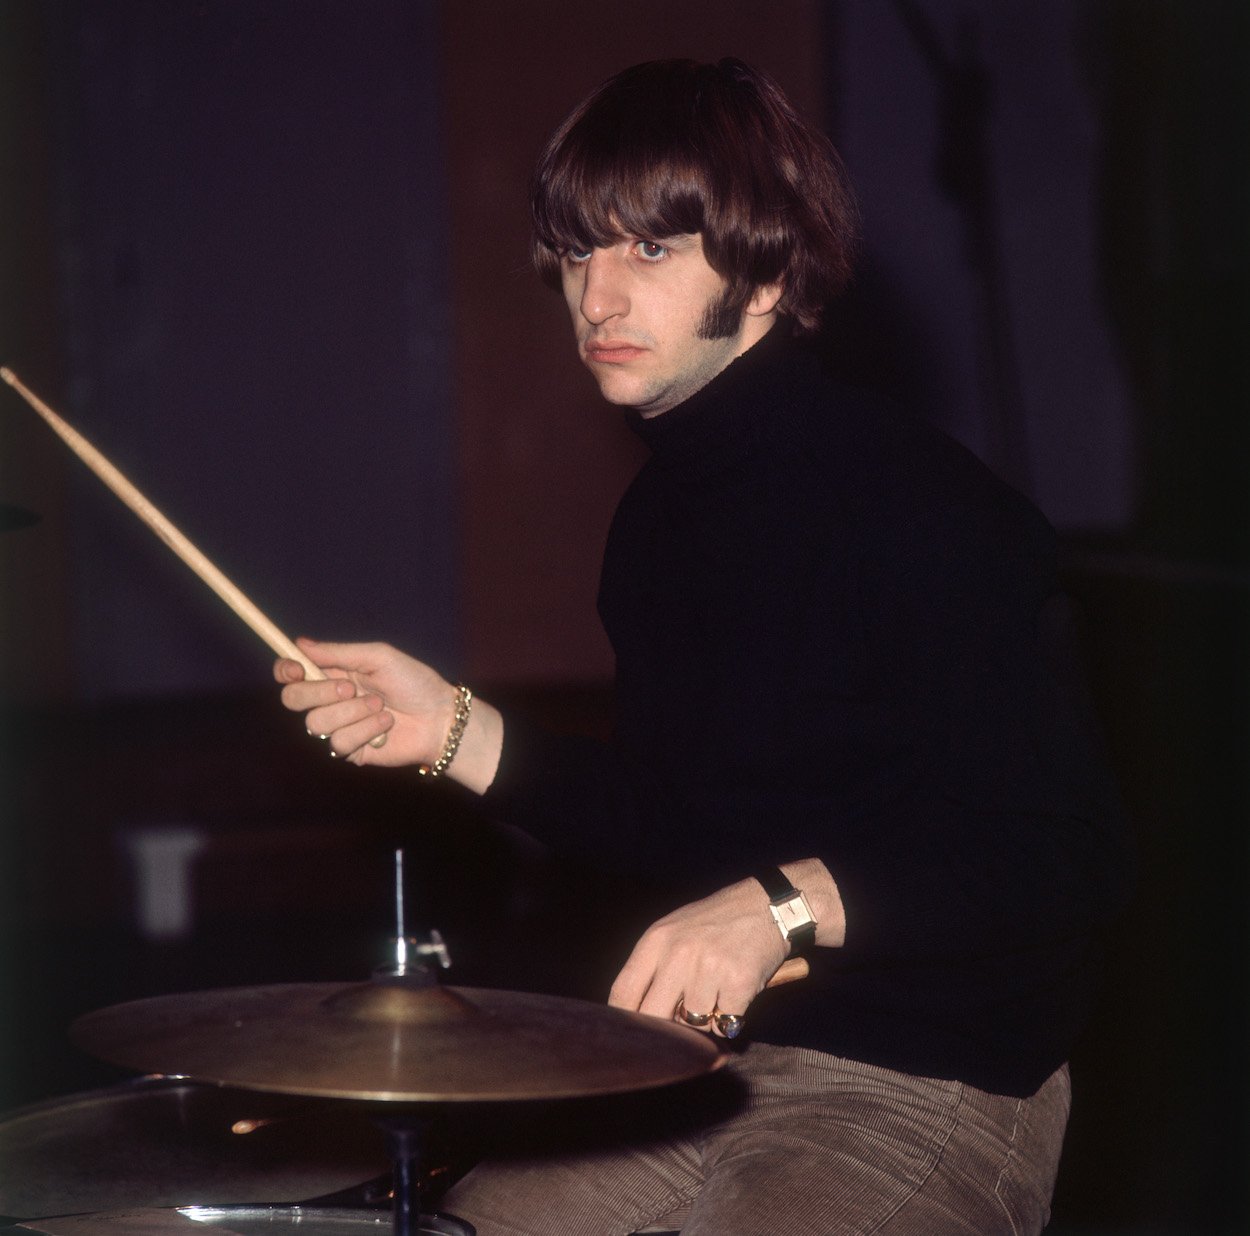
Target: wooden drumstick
(176,541)
(790,971)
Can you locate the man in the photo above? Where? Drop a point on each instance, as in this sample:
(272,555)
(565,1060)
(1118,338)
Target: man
(839,674)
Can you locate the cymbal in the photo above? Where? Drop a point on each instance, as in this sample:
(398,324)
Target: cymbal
(160,1142)
(388,1042)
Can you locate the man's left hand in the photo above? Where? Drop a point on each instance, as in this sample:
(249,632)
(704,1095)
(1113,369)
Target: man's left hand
(711,955)
(718,954)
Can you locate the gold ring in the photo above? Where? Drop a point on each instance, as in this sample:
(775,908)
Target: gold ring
(697,1021)
(729,1024)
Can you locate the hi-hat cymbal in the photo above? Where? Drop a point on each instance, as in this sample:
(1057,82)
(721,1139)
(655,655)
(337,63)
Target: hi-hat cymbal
(392,1043)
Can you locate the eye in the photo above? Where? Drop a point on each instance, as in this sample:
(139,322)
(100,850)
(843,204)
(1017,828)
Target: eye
(577,253)
(651,250)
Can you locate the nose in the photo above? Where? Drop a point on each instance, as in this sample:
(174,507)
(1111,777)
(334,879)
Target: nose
(604,294)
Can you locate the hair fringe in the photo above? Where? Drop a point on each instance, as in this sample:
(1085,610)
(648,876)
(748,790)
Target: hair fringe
(673,147)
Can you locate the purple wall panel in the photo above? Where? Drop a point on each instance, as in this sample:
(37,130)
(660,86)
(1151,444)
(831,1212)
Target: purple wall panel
(252,243)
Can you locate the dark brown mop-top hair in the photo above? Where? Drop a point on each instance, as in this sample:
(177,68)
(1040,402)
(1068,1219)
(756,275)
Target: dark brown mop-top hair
(674,147)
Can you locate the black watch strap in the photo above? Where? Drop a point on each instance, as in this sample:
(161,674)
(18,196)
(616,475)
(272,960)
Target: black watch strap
(776,884)
(803,939)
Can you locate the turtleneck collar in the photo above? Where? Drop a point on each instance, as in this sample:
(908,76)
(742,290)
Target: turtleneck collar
(736,413)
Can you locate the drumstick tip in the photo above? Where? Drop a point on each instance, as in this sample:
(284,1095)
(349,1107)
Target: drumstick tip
(8,375)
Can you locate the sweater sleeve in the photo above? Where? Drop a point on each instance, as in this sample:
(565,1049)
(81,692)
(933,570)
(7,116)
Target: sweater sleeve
(579,795)
(1006,832)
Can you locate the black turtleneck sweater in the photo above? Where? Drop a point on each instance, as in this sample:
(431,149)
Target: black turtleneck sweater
(836,636)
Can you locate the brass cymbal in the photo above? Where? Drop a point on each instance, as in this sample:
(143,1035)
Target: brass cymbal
(160,1142)
(392,1043)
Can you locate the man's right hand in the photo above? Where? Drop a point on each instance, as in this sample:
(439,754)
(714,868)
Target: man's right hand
(373,690)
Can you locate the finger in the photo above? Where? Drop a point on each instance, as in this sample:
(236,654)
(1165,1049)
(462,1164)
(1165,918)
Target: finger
(688,970)
(673,977)
(630,986)
(335,717)
(356,658)
(353,742)
(302,696)
(702,1022)
(727,1025)
(730,1009)
(663,996)
(695,996)
(286,670)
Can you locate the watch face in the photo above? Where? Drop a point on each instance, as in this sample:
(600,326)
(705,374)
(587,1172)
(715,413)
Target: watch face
(794,914)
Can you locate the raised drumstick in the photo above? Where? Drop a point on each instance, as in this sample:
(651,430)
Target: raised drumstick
(155,520)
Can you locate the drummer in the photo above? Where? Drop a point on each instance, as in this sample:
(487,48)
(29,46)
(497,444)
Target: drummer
(841,726)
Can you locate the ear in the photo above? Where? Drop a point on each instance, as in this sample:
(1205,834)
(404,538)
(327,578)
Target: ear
(764,300)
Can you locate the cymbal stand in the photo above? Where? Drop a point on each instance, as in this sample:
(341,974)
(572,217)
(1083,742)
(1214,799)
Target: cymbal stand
(412,954)
(407,1129)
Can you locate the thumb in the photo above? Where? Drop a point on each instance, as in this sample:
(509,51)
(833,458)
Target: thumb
(357,658)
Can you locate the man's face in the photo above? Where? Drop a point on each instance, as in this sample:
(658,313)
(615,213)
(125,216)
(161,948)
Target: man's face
(637,308)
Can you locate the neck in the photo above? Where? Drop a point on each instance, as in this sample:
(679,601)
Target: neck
(754,327)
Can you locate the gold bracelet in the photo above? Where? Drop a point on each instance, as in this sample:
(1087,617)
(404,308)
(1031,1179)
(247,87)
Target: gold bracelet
(464,705)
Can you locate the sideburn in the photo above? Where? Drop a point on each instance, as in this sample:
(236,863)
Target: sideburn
(722,319)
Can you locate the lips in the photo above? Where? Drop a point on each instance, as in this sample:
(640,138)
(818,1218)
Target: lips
(610,352)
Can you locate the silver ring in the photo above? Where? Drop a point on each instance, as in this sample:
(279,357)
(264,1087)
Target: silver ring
(697,1021)
(729,1024)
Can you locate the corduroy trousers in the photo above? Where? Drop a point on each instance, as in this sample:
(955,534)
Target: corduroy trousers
(815,1146)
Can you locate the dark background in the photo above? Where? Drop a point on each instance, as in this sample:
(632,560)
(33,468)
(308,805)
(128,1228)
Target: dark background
(271,257)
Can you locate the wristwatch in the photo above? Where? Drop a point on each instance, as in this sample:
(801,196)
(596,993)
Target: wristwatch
(792,914)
